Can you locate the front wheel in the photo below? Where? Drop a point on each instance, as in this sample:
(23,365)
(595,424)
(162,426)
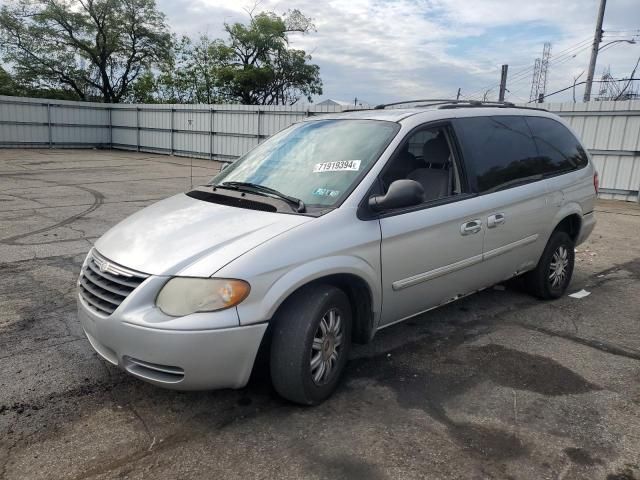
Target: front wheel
(311,342)
(552,276)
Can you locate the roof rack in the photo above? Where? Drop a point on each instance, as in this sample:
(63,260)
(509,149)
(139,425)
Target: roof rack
(447,103)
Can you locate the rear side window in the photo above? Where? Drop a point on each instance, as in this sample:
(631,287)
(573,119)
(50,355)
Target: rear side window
(500,150)
(558,148)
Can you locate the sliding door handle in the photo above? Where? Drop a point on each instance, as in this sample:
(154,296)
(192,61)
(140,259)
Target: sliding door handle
(495,220)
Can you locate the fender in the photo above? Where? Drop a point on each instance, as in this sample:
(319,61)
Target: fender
(266,304)
(567,209)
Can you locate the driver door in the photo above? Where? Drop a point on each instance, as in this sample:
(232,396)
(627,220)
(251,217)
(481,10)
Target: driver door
(430,253)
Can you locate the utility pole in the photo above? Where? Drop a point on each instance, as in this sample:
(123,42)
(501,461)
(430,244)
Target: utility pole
(597,38)
(458,95)
(503,83)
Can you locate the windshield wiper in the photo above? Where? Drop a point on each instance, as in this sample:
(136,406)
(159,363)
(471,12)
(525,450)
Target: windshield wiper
(256,188)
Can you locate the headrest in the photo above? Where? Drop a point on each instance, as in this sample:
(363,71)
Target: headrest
(436,151)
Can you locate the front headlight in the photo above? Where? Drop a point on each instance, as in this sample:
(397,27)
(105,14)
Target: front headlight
(182,295)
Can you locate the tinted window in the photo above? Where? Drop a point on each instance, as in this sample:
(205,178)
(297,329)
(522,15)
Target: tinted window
(558,148)
(500,150)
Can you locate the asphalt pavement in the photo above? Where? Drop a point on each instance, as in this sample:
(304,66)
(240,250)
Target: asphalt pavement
(497,385)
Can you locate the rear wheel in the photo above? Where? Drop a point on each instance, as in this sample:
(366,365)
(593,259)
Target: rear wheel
(311,342)
(552,276)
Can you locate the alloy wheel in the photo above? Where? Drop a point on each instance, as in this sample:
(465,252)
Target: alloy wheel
(326,347)
(559,267)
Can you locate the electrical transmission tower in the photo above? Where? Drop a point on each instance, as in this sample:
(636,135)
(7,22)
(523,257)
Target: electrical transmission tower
(533,96)
(612,90)
(540,70)
(608,87)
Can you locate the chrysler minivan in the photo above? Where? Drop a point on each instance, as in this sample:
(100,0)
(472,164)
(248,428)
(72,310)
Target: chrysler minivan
(332,229)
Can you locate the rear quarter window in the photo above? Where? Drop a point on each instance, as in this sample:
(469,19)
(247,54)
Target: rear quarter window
(499,150)
(559,150)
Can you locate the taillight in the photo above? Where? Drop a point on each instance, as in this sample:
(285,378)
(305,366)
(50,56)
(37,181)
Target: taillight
(596,182)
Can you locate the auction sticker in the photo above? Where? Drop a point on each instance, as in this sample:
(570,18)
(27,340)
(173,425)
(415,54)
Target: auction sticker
(339,166)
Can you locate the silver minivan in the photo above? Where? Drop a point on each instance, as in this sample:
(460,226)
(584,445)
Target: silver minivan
(330,230)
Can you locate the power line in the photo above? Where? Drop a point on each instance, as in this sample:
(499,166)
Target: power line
(633,72)
(526,72)
(579,44)
(525,76)
(624,32)
(559,59)
(563,56)
(557,62)
(594,81)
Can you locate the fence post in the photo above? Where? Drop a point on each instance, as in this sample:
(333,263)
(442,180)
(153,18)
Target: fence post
(258,124)
(137,129)
(213,130)
(49,124)
(172,128)
(109,110)
(211,134)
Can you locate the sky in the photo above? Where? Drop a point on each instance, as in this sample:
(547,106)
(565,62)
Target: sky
(386,50)
(389,50)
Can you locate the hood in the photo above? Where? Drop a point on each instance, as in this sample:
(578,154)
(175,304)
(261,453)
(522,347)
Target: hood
(190,237)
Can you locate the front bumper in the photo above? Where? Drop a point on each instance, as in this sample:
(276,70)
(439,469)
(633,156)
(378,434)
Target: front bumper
(200,359)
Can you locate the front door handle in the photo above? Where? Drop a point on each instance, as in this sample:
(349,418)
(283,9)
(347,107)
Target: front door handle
(495,220)
(469,228)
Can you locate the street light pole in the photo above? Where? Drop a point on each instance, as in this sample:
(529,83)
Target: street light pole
(597,38)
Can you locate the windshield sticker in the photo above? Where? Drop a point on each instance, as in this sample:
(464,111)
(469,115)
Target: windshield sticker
(339,166)
(326,192)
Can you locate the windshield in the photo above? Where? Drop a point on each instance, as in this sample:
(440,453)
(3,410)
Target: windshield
(315,161)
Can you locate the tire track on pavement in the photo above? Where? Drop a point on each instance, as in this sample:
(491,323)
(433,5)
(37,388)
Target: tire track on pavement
(98,201)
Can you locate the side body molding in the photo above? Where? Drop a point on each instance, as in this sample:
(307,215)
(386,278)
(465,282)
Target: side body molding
(467,262)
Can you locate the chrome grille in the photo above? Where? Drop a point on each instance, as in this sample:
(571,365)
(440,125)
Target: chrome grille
(104,285)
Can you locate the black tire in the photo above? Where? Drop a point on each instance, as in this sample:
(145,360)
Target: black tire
(295,327)
(538,281)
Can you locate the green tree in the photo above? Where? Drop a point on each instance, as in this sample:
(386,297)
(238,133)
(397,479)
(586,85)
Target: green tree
(255,65)
(143,89)
(10,86)
(7,84)
(193,75)
(96,48)
(259,66)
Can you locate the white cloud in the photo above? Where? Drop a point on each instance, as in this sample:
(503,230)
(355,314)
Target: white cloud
(384,50)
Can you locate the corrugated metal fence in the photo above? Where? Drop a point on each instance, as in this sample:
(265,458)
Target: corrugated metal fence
(218,132)
(610,130)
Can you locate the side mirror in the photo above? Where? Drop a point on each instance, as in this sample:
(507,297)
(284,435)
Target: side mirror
(401,193)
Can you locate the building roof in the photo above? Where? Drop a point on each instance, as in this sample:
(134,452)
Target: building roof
(342,103)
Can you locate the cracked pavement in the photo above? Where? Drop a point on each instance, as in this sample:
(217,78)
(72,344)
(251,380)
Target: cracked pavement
(496,385)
